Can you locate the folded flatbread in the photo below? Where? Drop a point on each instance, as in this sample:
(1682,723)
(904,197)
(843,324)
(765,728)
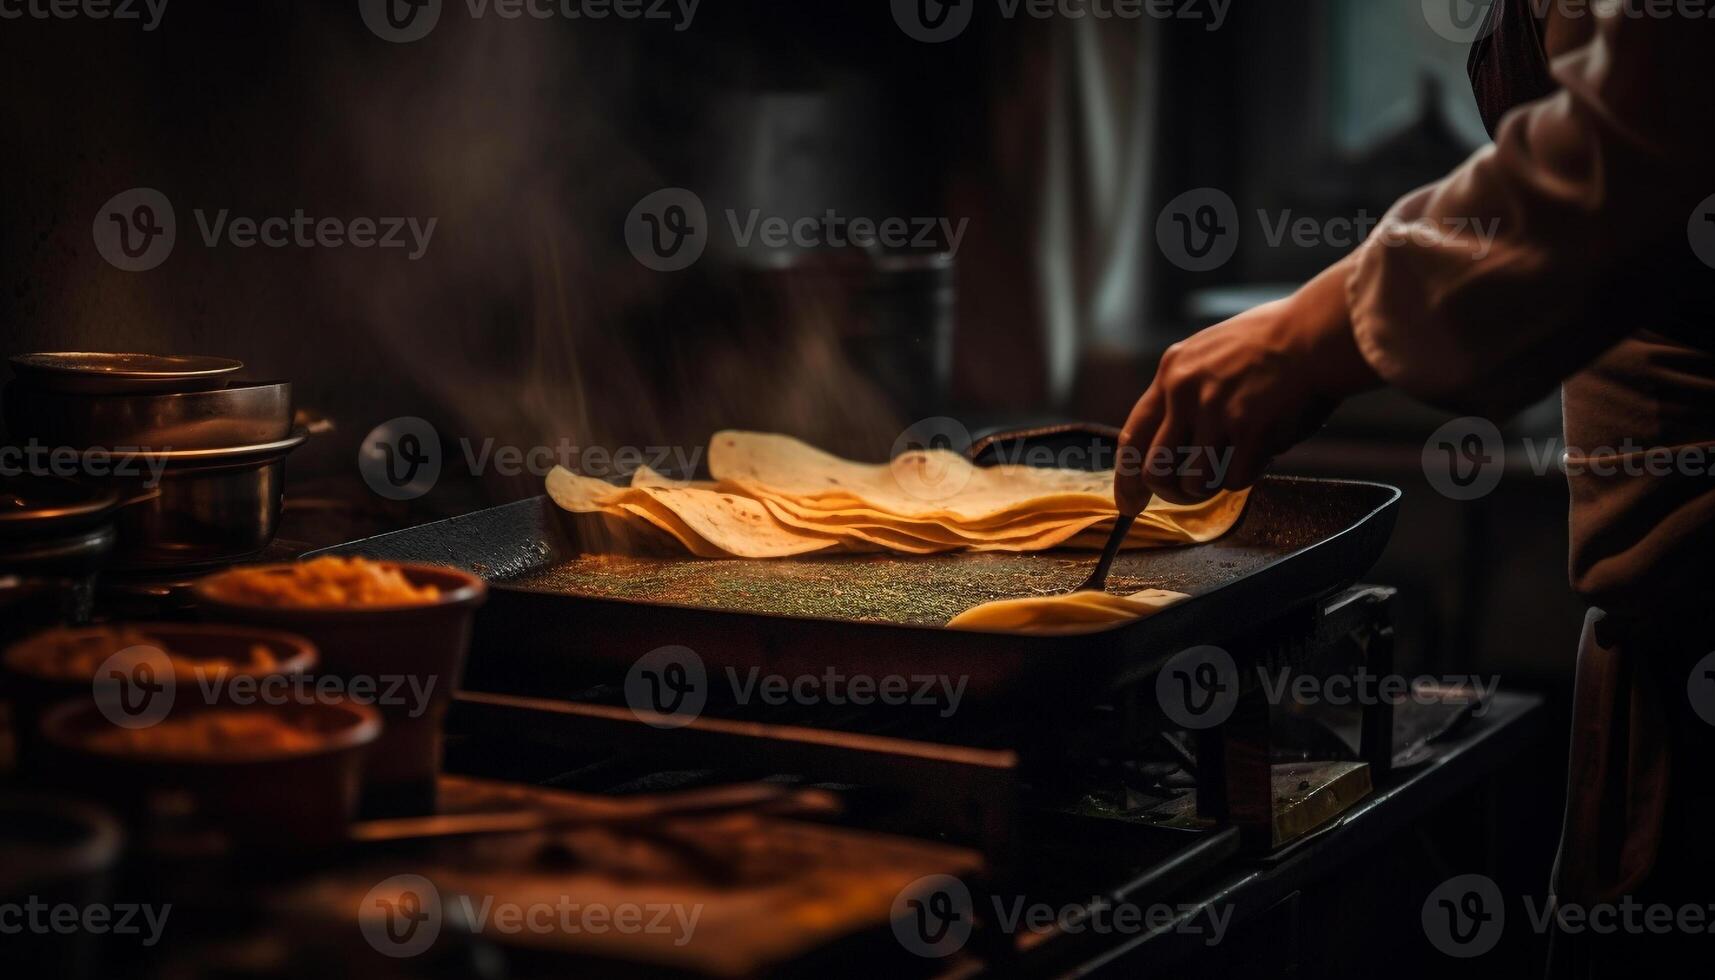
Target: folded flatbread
(773,496)
(1072,612)
(710,523)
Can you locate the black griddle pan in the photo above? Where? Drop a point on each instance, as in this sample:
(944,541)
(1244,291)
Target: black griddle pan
(559,622)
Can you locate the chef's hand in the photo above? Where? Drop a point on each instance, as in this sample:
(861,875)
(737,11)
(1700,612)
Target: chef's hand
(1227,400)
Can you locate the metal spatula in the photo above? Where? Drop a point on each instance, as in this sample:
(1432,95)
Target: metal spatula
(1098,580)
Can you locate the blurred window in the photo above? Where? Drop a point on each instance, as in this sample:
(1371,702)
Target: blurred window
(1382,49)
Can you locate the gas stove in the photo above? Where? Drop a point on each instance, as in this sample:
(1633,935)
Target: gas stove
(1109,806)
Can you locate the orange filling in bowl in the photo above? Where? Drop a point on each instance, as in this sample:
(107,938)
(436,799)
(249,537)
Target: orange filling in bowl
(76,654)
(329,581)
(216,734)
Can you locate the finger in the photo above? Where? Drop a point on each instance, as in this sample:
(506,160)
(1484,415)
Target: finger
(1256,451)
(1200,467)
(1130,493)
(1161,463)
(1250,459)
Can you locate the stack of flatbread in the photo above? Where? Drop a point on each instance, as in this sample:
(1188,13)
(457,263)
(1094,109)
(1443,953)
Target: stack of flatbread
(773,496)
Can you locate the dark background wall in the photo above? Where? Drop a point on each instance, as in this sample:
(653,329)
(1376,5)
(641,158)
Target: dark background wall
(527,321)
(526,141)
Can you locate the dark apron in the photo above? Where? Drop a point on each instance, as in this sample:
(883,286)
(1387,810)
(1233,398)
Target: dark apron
(1639,803)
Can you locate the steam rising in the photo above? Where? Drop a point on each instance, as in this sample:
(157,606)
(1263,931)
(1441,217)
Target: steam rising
(528,320)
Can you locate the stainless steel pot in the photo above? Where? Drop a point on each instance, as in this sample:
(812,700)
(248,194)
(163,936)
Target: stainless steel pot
(240,414)
(201,506)
(198,458)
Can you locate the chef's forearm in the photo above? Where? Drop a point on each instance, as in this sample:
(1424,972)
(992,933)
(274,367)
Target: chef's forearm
(1320,312)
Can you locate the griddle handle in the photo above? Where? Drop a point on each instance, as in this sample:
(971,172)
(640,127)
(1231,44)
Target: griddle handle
(995,447)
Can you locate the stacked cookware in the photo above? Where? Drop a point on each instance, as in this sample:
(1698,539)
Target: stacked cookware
(139,463)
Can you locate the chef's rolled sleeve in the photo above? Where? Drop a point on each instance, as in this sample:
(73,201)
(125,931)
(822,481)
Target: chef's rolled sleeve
(1481,292)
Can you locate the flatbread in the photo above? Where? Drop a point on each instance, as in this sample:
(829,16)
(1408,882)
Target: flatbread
(738,526)
(670,524)
(1071,612)
(776,497)
(643,476)
(1161,525)
(1017,526)
(885,536)
(932,484)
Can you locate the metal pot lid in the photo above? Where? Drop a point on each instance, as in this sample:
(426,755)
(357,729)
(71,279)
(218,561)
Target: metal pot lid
(46,505)
(217,457)
(95,372)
